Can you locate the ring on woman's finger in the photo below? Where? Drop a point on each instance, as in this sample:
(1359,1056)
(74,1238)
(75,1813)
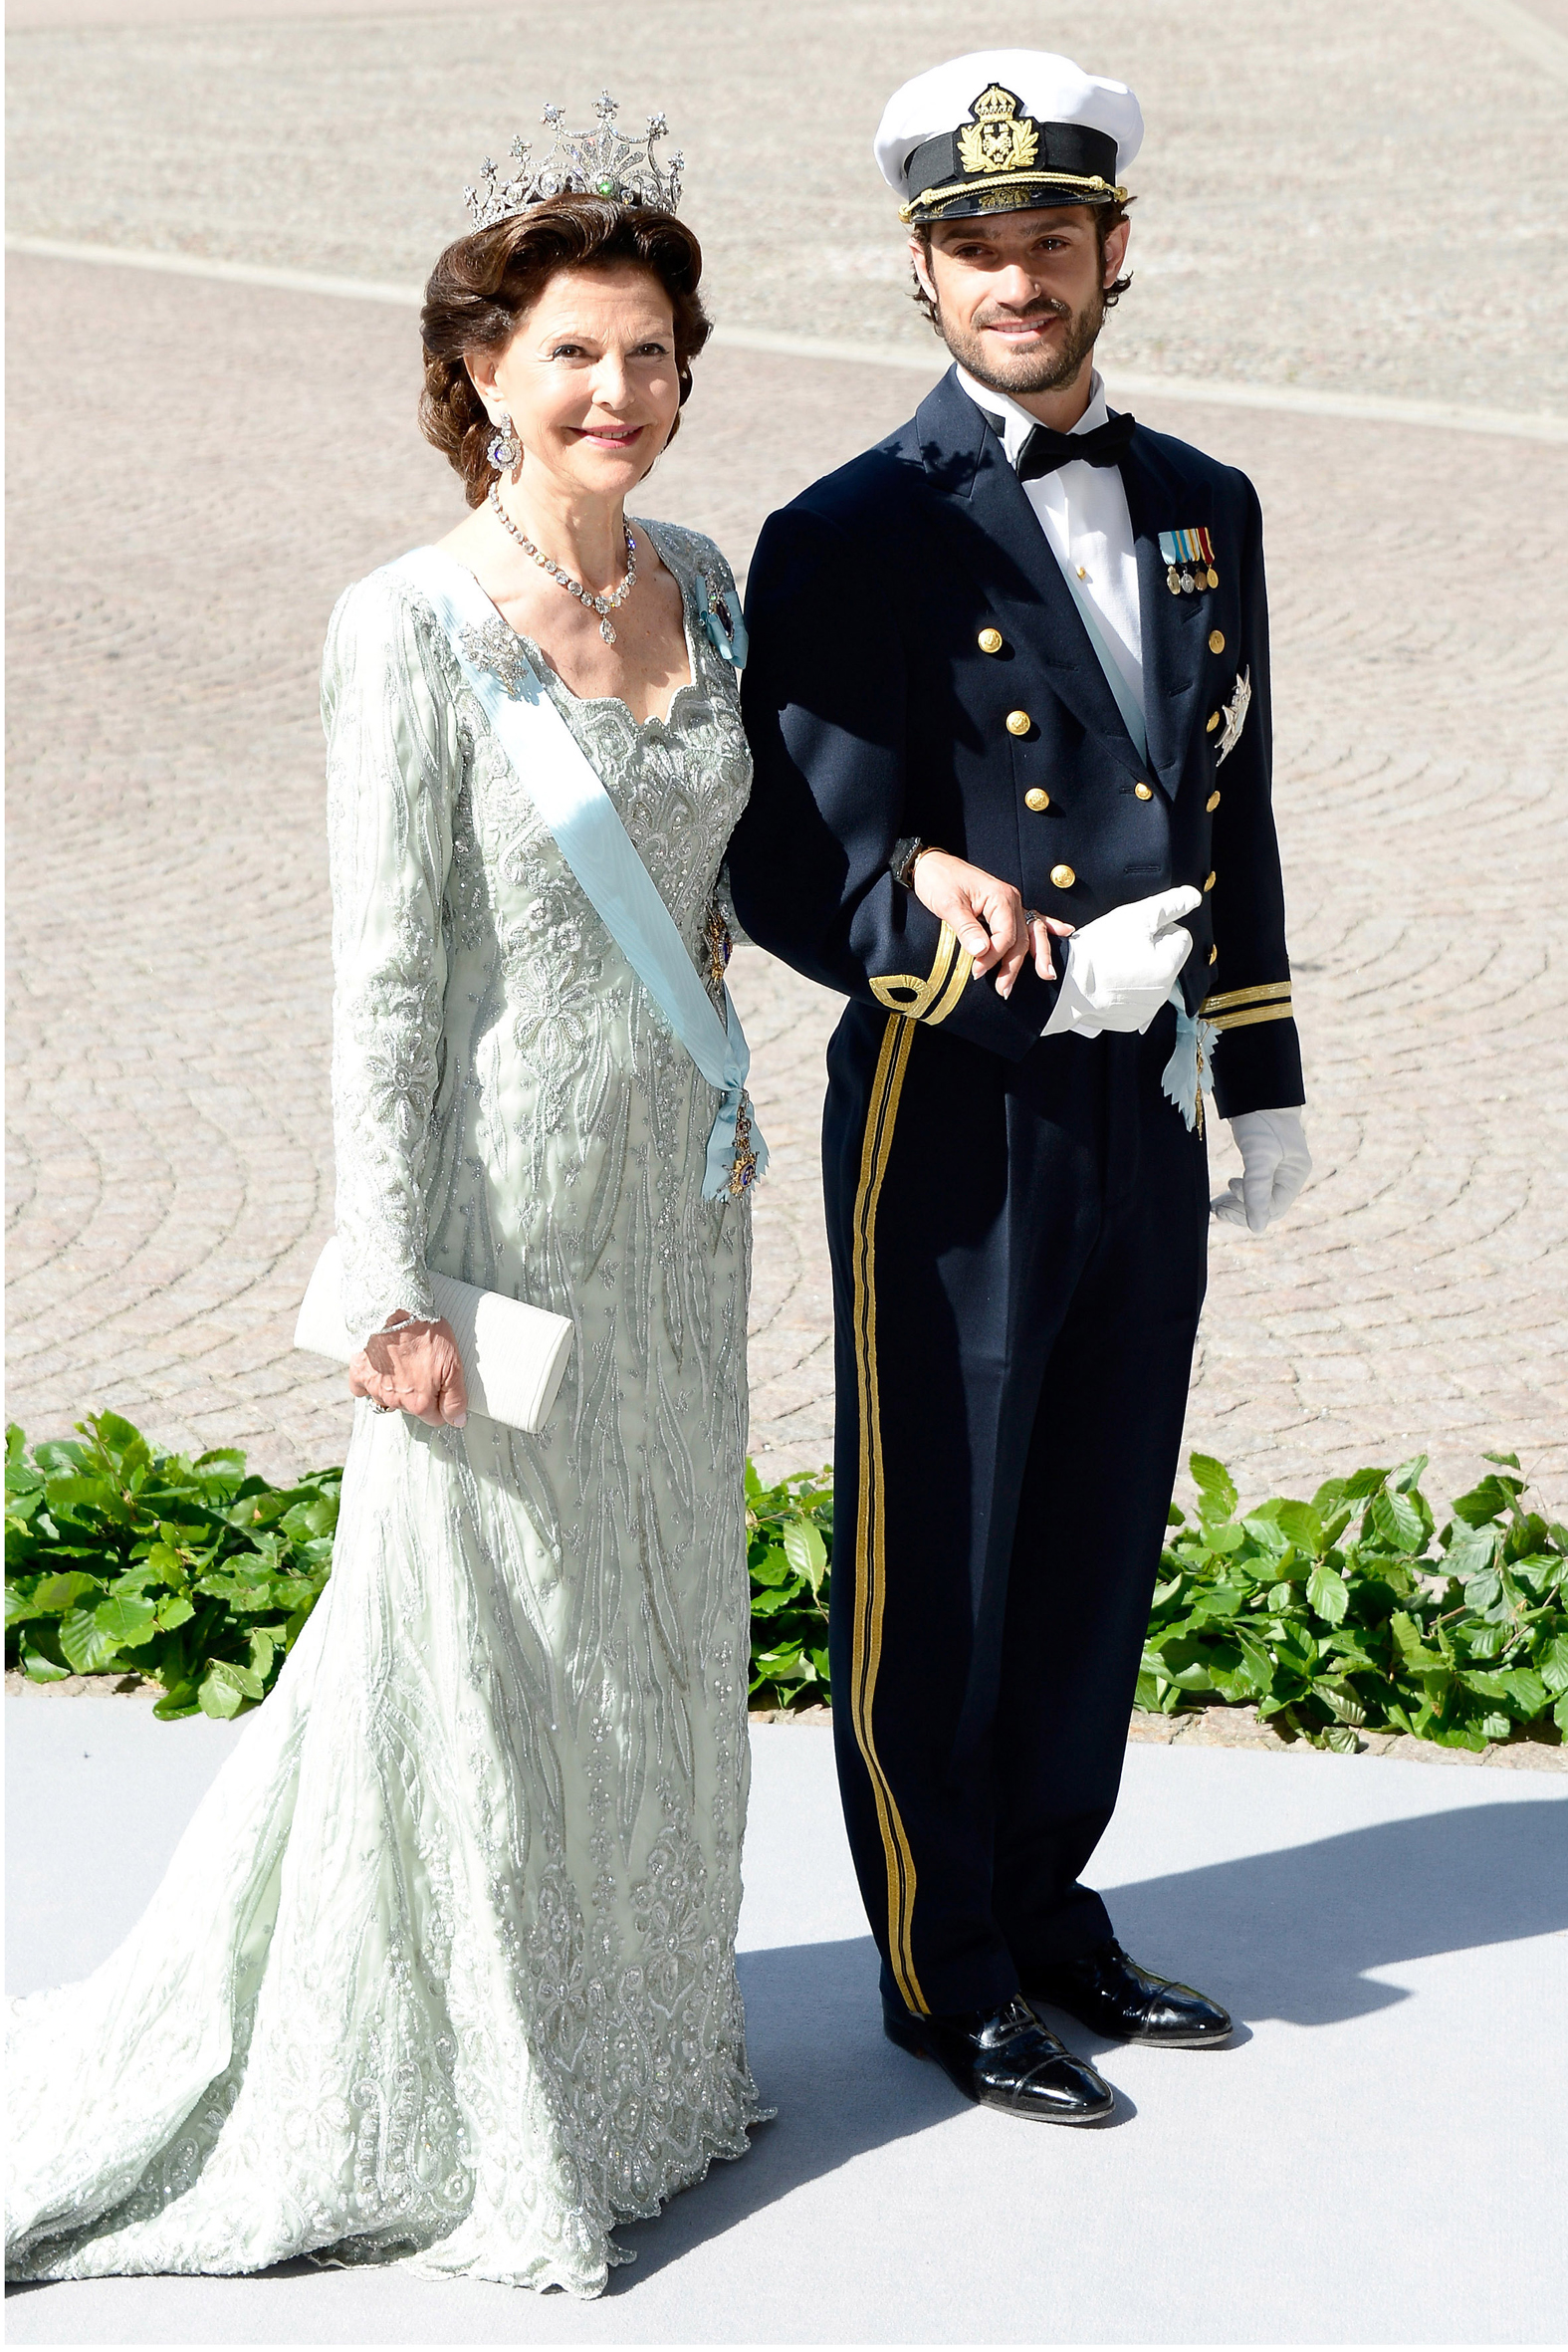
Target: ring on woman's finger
(377,1408)
(1031,915)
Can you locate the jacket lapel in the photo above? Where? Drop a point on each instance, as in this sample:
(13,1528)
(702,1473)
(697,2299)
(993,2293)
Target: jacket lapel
(1174,630)
(999,537)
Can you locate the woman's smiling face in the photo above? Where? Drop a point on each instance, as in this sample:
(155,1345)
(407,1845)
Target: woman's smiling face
(589,379)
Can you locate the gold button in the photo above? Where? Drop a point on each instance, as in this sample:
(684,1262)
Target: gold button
(990,640)
(1213,803)
(1214,955)
(1019,722)
(1212,724)
(1062,878)
(1143,791)
(1209,885)
(1036,800)
(1217,640)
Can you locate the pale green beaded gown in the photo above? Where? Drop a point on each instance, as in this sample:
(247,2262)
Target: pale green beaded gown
(443,1969)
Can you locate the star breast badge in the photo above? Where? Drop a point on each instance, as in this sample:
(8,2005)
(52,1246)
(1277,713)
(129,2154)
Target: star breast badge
(997,140)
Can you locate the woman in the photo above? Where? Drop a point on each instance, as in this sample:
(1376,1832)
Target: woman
(444,1966)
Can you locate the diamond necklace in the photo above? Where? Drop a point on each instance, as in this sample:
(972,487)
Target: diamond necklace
(602,605)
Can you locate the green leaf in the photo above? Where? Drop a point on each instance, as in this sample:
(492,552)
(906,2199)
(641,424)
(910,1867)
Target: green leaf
(805,1551)
(1552,1663)
(51,1596)
(121,1440)
(88,1647)
(1260,1665)
(36,1649)
(1492,1499)
(1559,1712)
(773,1567)
(1508,1461)
(125,1623)
(1217,1496)
(1341,1737)
(223,1464)
(1266,1532)
(1328,1594)
(226,1688)
(1398,1521)
(1526,1690)
(176,1610)
(218,1697)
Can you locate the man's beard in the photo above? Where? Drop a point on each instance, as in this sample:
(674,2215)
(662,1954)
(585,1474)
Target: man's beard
(1040,370)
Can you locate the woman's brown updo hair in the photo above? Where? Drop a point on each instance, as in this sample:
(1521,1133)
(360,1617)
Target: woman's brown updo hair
(482,284)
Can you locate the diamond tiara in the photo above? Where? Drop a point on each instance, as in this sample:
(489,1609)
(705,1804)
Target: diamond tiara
(601,161)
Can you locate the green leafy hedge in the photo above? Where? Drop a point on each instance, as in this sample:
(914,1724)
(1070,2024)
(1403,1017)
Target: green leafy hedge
(1351,1611)
(119,1560)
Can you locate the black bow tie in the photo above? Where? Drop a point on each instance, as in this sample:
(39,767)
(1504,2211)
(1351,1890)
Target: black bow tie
(1045,449)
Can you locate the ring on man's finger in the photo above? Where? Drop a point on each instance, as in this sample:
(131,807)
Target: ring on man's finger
(1031,914)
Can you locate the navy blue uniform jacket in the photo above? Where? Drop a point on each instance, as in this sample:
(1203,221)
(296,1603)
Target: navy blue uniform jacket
(874,713)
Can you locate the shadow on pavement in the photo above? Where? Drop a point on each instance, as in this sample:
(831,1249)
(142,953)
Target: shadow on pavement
(1287,1935)
(1291,1934)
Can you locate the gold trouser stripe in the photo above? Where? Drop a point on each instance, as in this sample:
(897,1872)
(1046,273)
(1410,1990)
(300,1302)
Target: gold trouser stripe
(1265,990)
(930,1000)
(1257,1013)
(871,1525)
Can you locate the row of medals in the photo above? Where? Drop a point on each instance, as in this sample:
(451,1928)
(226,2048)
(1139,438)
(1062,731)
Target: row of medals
(1182,583)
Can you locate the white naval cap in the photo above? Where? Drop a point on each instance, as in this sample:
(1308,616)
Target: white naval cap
(1003,129)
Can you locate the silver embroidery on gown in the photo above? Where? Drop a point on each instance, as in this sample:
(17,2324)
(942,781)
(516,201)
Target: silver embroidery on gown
(443,1968)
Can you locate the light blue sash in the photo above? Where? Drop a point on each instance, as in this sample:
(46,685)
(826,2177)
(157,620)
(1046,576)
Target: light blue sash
(1188,1075)
(554,772)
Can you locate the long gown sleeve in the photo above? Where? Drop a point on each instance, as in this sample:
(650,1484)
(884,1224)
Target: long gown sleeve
(392,757)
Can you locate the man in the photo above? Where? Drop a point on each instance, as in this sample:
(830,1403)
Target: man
(1009,701)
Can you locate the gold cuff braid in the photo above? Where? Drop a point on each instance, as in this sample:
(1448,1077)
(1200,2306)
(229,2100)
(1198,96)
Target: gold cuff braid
(931,1000)
(1240,1008)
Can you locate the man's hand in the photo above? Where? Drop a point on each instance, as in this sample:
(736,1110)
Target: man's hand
(1122,967)
(1275,1163)
(992,922)
(413,1367)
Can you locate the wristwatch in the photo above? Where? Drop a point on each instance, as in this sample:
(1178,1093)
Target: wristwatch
(901,865)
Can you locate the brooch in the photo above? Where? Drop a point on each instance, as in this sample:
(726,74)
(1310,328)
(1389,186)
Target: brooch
(725,630)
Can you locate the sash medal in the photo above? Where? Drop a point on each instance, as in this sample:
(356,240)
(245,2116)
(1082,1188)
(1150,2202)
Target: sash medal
(1189,556)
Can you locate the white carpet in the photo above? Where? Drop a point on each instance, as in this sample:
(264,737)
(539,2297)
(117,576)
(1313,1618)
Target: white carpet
(1379,2160)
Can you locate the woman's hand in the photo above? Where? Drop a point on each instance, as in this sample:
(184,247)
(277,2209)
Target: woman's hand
(992,924)
(413,1367)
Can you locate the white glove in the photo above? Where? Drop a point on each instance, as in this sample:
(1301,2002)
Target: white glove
(1275,1163)
(1122,967)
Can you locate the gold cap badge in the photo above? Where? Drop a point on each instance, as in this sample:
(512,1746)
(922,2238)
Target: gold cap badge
(997,140)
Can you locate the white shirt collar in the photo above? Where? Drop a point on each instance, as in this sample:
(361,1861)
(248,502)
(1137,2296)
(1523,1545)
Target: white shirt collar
(1016,422)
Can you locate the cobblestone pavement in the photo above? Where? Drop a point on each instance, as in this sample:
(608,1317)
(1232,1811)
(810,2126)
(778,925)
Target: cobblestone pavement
(1369,199)
(178,532)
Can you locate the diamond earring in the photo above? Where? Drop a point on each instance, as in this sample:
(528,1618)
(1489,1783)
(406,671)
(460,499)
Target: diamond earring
(506,450)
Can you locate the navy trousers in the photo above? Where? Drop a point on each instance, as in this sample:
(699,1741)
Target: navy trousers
(1020,1253)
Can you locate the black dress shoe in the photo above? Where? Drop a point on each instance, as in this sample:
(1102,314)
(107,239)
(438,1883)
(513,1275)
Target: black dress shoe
(1114,1996)
(1004,2058)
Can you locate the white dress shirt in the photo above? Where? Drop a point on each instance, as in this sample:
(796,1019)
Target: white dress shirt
(1083,509)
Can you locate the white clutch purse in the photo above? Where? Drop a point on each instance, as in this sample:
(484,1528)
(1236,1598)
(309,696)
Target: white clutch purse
(514,1355)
